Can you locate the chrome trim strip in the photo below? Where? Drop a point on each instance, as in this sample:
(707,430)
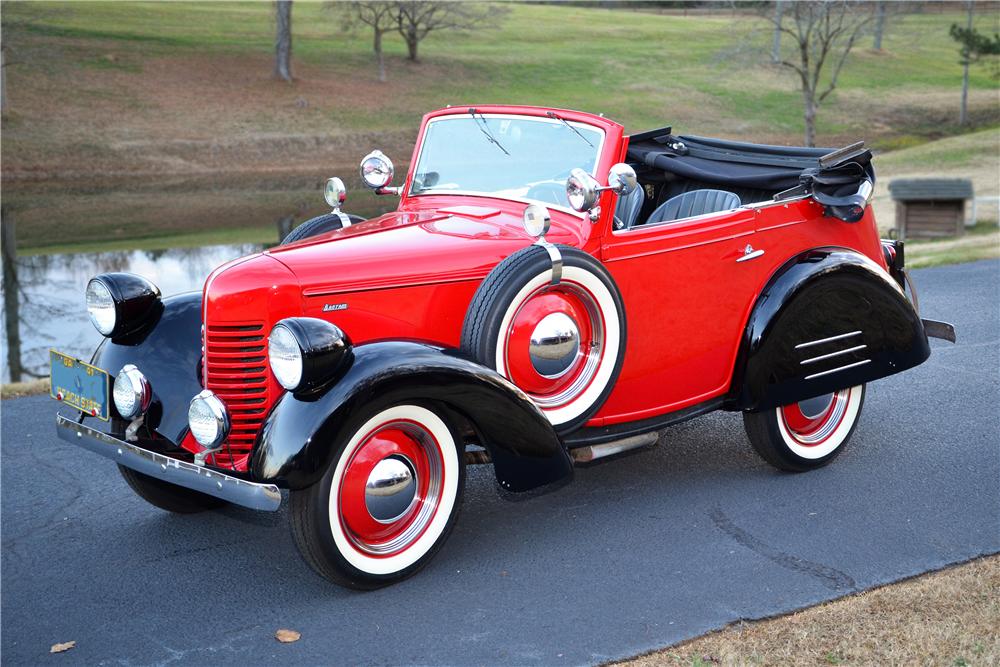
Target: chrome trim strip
(265,497)
(832,354)
(827,340)
(842,368)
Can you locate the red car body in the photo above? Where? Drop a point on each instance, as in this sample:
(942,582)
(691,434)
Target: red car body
(761,306)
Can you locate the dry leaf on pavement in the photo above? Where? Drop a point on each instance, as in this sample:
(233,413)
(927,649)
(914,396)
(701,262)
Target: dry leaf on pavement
(286,636)
(64,646)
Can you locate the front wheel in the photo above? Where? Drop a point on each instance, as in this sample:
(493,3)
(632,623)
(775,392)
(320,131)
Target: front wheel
(387,502)
(808,434)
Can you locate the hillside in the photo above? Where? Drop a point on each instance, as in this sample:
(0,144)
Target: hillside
(101,89)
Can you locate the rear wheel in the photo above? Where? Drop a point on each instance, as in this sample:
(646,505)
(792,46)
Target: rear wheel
(808,434)
(167,496)
(387,502)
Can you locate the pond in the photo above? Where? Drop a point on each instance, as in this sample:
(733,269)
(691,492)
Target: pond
(56,236)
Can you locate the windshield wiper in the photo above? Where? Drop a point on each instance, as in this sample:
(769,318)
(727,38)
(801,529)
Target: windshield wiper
(553,114)
(481,123)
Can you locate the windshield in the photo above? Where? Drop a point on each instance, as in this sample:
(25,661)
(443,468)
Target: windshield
(513,157)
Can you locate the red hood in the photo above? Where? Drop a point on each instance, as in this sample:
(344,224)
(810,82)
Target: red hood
(413,247)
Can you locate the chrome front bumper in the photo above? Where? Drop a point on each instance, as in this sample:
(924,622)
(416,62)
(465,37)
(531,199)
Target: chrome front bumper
(256,496)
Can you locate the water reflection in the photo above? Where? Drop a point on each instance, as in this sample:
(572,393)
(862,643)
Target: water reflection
(43,303)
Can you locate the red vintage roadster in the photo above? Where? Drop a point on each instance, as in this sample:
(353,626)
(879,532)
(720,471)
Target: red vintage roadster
(549,291)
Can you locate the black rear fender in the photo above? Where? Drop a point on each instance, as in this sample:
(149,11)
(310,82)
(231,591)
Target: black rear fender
(302,434)
(829,319)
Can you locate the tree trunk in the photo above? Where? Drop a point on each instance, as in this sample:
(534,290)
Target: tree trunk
(3,80)
(11,306)
(810,117)
(412,41)
(779,7)
(379,59)
(283,40)
(963,114)
(879,24)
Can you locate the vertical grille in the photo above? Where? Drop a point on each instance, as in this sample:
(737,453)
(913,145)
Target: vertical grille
(236,370)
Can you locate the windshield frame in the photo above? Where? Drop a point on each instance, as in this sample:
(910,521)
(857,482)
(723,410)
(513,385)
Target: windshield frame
(598,154)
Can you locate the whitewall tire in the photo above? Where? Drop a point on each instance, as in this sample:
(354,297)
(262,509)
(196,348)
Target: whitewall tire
(808,434)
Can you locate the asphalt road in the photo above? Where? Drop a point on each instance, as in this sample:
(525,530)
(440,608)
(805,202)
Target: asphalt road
(636,554)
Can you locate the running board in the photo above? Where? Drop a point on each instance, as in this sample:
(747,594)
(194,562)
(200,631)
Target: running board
(594,452)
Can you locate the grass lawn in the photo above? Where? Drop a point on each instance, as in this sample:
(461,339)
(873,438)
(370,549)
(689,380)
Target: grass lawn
(946,618)
(178,87)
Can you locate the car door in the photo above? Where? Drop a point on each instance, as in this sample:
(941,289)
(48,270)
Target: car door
(688,286)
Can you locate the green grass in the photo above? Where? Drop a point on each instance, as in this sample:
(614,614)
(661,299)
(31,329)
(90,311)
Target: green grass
(195,239)
(703,73)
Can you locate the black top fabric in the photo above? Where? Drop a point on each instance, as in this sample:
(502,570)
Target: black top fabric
(729,163)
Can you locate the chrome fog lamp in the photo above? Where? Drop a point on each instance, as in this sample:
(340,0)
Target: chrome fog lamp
(208,419)
(335,193)
(122,303)
(132,393)
(377,172)
(537,220)
(305,353)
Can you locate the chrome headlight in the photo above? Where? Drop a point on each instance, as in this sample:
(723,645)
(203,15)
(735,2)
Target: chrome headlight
(537,220)
(305,352)
(132,393)
(208,420)
(121,303)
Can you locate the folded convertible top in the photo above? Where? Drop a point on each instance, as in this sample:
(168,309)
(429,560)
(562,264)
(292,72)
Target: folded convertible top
(729,163)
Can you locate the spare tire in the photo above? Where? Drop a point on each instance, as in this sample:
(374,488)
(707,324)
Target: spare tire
(318,225)
(561,344)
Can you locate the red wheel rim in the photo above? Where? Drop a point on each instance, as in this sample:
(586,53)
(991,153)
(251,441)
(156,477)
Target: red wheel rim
(580,306)
(812,422)
(398,445)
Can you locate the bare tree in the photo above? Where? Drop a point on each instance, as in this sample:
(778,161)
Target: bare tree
(776,44)
(823,35)
(283,40)
(879,25)
(972,47)
(418,18)
(382,17)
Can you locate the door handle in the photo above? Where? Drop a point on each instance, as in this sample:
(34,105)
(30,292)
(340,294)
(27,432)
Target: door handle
(749,253)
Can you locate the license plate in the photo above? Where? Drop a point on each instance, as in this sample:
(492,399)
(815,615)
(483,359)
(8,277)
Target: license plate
(78,384)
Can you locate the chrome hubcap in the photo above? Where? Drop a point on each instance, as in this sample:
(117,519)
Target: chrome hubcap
(391,488)
(814,407)
(554,345)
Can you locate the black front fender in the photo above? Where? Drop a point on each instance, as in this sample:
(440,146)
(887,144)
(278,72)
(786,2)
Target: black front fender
(303,433)
(829,319)
(167,351)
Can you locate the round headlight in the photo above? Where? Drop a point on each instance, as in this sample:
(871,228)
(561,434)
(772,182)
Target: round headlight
(101,306)
(306,353)
(376,170)
(335,192)
(285,357)
(537,220)
(208,420)
(131,393)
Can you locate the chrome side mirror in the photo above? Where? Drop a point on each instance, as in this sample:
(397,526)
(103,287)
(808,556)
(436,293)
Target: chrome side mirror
(335,193)
(621,179)
(377,172)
